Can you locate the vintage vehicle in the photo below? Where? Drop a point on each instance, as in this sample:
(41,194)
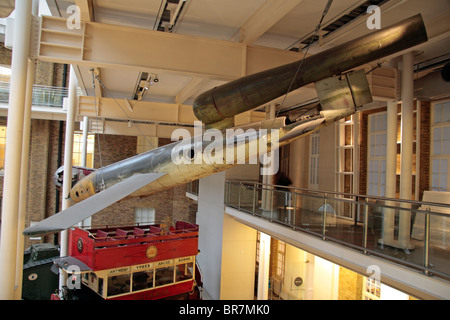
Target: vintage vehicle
(143,262)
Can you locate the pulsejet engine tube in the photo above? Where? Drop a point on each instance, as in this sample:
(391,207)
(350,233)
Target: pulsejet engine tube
(219,104)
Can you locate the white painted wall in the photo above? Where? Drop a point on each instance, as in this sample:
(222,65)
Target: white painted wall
(295,266)
(326,279)
(227,248)
(300,157)
(238,260)
(210,220)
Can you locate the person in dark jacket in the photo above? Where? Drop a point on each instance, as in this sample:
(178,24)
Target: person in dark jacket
(282,181)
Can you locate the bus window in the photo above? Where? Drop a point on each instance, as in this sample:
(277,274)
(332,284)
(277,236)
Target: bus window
(164,276)
(184,271)
(118,284)
(100,286)
(86,278)
(142,280)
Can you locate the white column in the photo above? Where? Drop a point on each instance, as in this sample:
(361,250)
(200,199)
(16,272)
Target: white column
(406,147)
(267,195)
(264,264)
(391,171)
(14,134)
(68,154)
(24,171)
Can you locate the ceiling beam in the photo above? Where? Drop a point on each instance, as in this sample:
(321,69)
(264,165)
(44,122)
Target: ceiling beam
(188,90)
(86,9)
(264,18)
(109,46)
(142,129)
(132,110)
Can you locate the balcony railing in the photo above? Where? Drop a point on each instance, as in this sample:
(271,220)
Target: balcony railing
(376,229)
(42,95)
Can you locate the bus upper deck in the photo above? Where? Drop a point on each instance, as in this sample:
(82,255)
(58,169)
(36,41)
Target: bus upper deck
(135,262)
(106,248)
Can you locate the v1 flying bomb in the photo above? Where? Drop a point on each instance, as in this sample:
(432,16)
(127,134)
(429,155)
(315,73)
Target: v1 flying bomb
(161,168)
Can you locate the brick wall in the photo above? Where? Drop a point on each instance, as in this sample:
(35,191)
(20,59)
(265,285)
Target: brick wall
(350,285)
(47,154)
(170,204)
(425,142)
(5,55)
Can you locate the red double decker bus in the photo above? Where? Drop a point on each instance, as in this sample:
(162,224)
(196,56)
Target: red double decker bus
(144,262)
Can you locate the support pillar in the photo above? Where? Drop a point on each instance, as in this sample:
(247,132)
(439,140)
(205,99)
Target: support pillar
(24,171)
(68,154)
(267,195)
(391,171)
(14,135)
(264,265)
(86,222)
(407,93)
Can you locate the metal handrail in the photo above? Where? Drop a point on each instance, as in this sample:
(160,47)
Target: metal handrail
(342,194)
(253,187)
(49,96)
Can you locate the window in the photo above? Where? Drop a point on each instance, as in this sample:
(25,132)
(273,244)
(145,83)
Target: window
(5,74)
(143,277)
(78,150)
(345,133)
(376,181)
(144,215)
(371,289)
(314,160)
(118,283)
(184,271)
(281,253)
(440,146)
(142,280)
(164,276)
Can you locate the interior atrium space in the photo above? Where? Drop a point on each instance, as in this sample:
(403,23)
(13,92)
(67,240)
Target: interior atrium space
(251,151)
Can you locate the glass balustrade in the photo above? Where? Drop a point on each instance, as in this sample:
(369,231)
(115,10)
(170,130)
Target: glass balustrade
(48,96)
(416,234)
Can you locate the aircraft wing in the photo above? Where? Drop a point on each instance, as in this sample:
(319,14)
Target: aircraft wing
(84,209)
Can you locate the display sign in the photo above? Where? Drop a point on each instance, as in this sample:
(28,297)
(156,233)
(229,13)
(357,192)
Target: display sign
(142,267)
(164,263)
(118,271)
(184,260)
(298,281)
